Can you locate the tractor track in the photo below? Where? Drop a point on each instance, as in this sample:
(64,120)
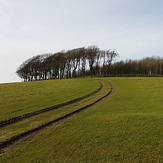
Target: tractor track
(20,138)
(32,114)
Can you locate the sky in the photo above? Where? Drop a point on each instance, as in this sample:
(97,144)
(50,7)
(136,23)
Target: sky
(31,27)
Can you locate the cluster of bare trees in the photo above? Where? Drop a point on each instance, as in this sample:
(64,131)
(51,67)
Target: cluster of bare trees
(150,66)
(81,62)
(78,62)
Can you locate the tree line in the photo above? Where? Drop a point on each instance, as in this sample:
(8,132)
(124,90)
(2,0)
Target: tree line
(81,62)
(146,66)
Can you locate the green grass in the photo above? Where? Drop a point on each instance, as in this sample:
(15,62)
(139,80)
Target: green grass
(33,122)
(21,98)
(127,127)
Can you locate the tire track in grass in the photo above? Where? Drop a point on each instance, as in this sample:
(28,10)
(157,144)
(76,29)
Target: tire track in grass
(20,138)
(32,114)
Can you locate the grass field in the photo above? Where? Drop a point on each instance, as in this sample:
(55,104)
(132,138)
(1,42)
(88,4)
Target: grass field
(126,127)
(9,131)
(21,98)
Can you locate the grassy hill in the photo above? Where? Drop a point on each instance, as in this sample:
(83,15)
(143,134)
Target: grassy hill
(126,127)
(17,99)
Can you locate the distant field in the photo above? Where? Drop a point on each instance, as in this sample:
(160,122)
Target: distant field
(20,98)
(127,127)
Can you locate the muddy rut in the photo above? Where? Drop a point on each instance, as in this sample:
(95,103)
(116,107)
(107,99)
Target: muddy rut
(32,114)
(20,138)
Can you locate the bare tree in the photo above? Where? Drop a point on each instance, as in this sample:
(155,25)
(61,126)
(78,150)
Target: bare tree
(91,56)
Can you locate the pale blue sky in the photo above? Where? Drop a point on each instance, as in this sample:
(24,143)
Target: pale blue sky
(30,27)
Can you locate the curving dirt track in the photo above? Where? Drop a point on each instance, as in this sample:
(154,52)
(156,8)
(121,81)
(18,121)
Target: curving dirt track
(18,139)
(32,114)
